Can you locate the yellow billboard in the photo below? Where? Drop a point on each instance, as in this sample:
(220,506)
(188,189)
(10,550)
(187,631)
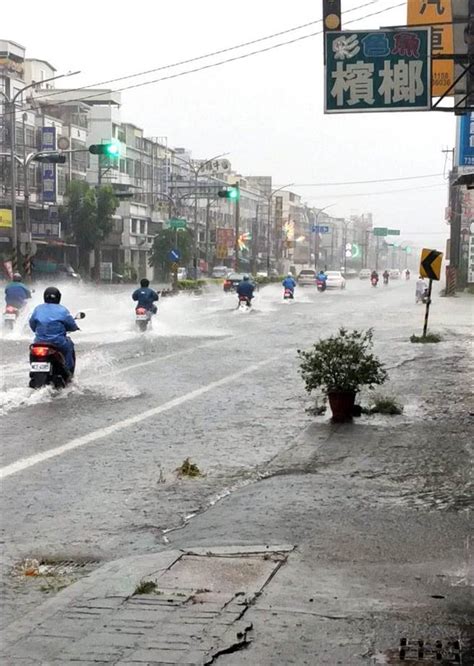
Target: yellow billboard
(439,15)
(5,218)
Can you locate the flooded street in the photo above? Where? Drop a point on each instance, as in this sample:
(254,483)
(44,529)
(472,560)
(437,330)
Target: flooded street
(90,472)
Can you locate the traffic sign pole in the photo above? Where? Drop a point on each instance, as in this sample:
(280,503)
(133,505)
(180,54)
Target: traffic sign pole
(427,310)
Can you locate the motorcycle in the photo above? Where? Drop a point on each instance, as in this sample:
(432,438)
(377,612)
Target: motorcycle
(425,296)
(321,285)
(288,294)
(47,365)
(10,316)
(374,281)
(142,318)
(245,303)
(385,281)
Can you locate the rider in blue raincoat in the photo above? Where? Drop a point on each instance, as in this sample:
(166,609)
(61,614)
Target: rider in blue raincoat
(289,282)
(16,294)
(145,296)
(51,322)
(246,288)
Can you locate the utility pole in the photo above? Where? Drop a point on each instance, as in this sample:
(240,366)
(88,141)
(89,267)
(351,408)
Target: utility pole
(269,198)
(237,226)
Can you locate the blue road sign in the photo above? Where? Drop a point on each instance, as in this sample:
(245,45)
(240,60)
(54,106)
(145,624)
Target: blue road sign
(318,229)
(174,255)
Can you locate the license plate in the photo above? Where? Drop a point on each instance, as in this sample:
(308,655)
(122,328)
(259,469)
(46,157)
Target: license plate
(142,317)
(40,366)
(9,315)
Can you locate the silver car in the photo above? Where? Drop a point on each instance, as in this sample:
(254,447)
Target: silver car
(307,277)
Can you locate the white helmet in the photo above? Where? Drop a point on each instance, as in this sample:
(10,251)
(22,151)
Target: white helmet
(290,274)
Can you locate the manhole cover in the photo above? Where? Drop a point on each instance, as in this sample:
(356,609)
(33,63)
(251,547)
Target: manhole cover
(422,652)
(220,574)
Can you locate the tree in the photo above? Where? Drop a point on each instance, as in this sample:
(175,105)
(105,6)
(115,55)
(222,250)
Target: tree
(166,240)
(89,214)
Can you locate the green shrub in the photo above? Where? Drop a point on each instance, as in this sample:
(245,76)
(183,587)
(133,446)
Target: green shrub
(342,362)
(190,285)
(385,405)
(429,337)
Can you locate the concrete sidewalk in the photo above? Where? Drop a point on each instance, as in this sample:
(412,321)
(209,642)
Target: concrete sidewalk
(173,607)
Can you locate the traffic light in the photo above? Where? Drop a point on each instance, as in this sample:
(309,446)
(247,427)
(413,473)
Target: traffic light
(106,149)
(49,158)
(232,193)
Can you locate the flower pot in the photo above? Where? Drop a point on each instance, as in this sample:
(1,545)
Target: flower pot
(342,405)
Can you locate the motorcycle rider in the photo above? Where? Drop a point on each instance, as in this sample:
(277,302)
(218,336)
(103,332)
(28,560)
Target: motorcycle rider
(385,276)
(245,289)
(407,274)
(374,276)
(145,296)
(289,283)
(16,294)
(51,321)
(420,289)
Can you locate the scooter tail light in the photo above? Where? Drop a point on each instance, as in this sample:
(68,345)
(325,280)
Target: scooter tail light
(40,351)
(10,309)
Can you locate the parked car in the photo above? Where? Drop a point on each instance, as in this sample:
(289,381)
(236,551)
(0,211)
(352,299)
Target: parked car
(365,274)
(182,273)
(394,274)
(335,280)
(307,277)
(219,271)
(233,279)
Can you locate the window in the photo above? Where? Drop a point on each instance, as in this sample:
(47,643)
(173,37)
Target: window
(133,226)
(130,165)
(122,166)
(143,226)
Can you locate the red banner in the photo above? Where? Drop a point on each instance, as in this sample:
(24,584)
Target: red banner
(225,237)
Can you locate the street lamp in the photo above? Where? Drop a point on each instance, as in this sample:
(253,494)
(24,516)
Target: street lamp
(10,109)
(316,239)
(196,171)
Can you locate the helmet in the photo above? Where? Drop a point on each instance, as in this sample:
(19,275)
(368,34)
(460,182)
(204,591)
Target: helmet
(144,283)
(16,277)
(246,277)
(290,274)
(52,295)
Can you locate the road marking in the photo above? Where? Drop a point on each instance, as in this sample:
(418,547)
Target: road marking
(25,463)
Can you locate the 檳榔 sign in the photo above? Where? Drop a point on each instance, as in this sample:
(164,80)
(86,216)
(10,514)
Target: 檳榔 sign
(378,70)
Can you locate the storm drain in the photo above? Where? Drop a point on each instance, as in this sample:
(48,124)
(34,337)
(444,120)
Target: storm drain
(443,652)
(49,567)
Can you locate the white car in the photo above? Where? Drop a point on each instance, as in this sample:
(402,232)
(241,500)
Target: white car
(394,274)
(365,274)
(335,280)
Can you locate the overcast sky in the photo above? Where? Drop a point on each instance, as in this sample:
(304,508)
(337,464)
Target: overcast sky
(265,110)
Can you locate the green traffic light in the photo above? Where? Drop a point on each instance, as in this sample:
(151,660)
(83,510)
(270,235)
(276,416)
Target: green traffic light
(234,193)
(113,149)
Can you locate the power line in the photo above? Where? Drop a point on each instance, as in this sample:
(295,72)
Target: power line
(374,194)
(364,182)
(205,55)
(226,61)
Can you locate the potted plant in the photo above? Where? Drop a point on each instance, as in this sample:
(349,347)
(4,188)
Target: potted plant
(340,365)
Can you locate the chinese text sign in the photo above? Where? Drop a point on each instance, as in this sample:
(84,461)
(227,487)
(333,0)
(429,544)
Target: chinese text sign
(378,70)
(466,140)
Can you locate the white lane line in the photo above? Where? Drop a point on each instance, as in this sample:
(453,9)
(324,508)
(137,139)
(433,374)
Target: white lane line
(25,463)
(188,350)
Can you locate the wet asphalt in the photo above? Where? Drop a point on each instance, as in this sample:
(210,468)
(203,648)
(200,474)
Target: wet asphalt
(382,505)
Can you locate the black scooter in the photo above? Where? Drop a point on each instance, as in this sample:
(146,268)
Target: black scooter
(47,365)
